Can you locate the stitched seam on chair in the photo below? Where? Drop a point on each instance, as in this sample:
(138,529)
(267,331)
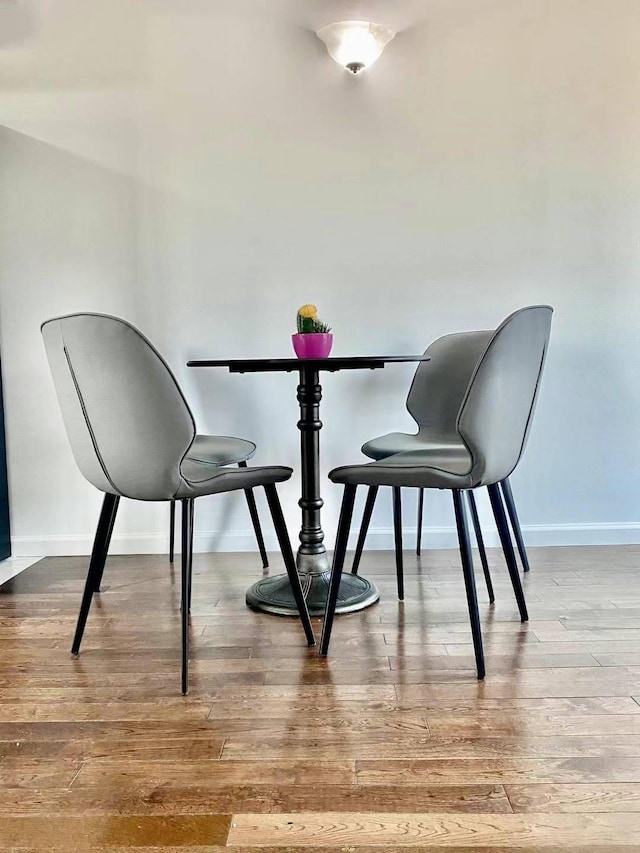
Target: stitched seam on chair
(431,358)
(230,473)
(175,382)
(382,464)
(413,382)
(86,417)
(415,375)
(143,338)
(475,373)
(216,468)
(466,396)
(426,468)
(381,458)
(484,354)
(230,461)
(159,356)
(442,337)
(533,403)
(235,438)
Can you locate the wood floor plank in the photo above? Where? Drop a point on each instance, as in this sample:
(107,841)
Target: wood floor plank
(337,723)
(533,724)
(173,799)
(153,774)
(77,833)
(506,771)
(593,646)
(557,633)
(497,662)
(23,772)
(384,848)
(378,744)
(483,706)
(103,711)
(578,798)
(109,730)
(531,684)
(126,848)
(335,830)
(211,691)
(618,658)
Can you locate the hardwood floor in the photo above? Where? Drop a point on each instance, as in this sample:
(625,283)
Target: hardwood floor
(389,744)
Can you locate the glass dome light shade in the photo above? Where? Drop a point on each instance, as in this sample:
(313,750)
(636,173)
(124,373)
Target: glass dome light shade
(355,44)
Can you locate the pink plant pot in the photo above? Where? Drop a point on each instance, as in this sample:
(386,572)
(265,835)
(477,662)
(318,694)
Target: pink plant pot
(312,345)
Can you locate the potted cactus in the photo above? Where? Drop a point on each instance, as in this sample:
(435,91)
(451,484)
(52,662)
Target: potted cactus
(313,338)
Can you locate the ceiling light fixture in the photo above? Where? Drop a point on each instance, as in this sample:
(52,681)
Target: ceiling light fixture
(355,44)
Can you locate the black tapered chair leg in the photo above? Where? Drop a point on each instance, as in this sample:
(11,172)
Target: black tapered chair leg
(515,522)
(364,527)
(507,547)
(172,530)
(190,552)
(289,561)
(192,509)
(255,520)
(187,540)
(342,537)
(419,522)
(102,543)
(96,564)
(480,541)
(469,580)
(397,537)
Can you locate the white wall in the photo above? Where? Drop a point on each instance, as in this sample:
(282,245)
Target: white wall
(204,168)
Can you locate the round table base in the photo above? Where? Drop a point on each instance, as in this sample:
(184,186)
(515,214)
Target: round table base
(274,595)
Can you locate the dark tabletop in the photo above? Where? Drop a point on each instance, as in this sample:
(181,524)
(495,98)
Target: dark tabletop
(264,365)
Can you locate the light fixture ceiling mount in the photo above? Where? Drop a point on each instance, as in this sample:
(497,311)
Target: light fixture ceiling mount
(355,44)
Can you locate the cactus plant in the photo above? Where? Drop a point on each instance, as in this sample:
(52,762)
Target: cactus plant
(307,321)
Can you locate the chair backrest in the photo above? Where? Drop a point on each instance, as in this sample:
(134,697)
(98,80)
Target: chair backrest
(127,420)
(439,385)
(497,410)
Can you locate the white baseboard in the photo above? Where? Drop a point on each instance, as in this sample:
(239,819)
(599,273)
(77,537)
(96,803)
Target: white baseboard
(614,533)
(535,535)
(378,539)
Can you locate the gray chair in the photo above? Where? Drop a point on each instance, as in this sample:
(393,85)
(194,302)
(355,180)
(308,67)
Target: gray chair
(219,451)
(433,401)
(131,432)
(491,425)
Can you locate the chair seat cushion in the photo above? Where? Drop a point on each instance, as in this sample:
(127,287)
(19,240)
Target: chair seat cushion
(390,444)
(220,450)
(443,468)
(403,442)
(202,478)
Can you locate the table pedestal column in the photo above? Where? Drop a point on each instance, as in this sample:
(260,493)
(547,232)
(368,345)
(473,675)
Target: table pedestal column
(273,594)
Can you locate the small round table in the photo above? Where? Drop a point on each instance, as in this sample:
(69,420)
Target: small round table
(273,594)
